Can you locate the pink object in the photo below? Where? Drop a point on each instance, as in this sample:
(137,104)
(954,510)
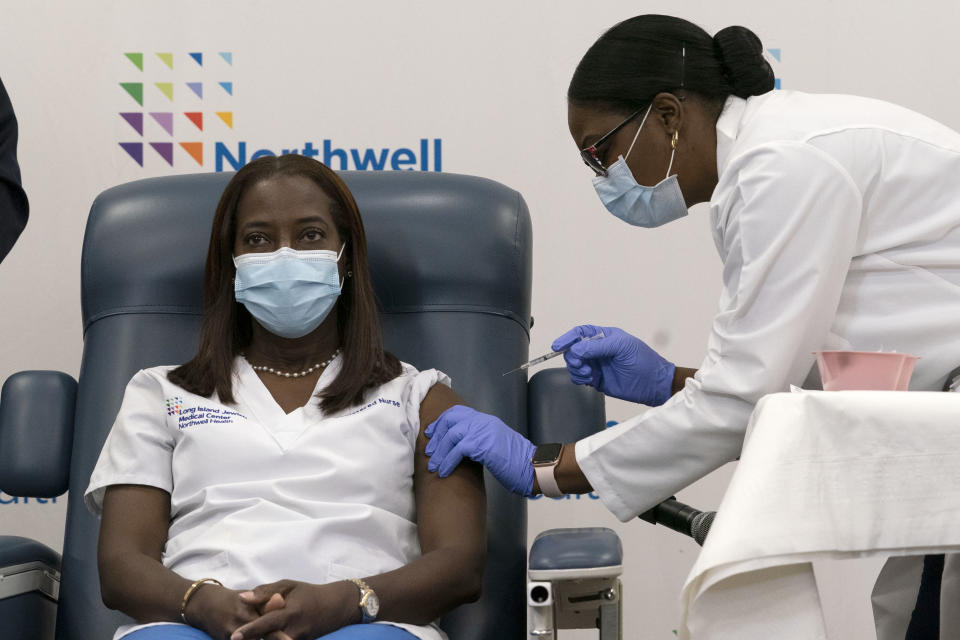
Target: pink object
(865,370)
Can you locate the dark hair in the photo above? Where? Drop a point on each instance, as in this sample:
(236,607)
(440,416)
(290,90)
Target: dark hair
(226,328)
(641,57)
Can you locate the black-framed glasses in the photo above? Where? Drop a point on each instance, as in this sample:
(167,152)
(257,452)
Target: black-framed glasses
(591,157)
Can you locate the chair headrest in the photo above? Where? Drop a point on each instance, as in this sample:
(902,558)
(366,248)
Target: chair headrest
(146,244)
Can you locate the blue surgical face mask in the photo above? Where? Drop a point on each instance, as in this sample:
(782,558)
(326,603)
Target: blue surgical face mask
(634,203)
(289,292)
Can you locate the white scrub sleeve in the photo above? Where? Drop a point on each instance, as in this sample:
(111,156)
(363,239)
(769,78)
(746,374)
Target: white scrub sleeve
(789,224)
(418,384)
(139,448)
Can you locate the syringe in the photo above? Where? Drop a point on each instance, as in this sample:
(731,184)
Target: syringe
(553,354)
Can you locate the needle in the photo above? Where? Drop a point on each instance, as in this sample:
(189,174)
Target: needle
(552,354)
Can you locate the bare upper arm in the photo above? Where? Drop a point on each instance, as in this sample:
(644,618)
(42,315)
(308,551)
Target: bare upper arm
(451,511)
(135,519)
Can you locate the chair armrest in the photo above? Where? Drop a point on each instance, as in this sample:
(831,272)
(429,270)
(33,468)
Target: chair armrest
(27,565)
(36,433)
(560,411)
(568,554)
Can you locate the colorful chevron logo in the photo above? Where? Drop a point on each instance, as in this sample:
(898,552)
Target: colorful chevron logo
(161,99)
(775,55)
(174,110)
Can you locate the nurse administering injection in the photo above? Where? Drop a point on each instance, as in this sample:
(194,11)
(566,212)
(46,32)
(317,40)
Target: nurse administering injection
(837,219)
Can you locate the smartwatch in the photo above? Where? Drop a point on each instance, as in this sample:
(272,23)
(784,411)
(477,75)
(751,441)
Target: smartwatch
(545,460)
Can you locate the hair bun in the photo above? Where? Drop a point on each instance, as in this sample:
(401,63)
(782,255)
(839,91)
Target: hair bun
(740,53)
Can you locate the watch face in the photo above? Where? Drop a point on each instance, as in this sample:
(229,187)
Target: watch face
(547,453)
(372,604)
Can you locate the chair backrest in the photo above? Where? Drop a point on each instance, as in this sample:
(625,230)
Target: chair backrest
(451,263)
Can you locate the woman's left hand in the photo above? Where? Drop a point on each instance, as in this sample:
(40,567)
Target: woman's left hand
(461,432)
(309,610)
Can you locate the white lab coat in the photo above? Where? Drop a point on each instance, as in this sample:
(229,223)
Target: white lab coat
(838,222)
(258,495)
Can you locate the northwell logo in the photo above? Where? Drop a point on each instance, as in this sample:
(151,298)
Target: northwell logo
(184,108)
(775,56)
(170,118)
(429,158)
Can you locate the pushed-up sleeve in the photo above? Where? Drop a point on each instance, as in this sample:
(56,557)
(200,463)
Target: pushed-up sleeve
(790,230)
(415,390)
(139,447)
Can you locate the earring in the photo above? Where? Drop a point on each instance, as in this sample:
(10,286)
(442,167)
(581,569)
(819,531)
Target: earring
(673,141)
(349,274)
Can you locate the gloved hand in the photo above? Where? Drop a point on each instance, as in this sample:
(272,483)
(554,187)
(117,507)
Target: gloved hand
(618,364)
(463,432)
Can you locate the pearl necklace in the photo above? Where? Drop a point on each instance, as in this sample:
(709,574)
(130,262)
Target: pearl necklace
(292,374)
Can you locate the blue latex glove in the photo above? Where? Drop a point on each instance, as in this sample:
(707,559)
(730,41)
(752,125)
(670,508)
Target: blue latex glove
(461,432)
(618,364)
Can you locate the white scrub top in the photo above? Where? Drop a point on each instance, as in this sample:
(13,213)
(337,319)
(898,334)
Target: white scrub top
(258,495)
(838,222)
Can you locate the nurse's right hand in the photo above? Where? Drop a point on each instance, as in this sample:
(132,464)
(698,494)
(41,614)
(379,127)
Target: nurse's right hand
(219,611)
(618,364)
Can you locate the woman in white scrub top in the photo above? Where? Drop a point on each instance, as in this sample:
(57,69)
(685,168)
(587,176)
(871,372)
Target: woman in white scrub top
(275,486)
(838,222)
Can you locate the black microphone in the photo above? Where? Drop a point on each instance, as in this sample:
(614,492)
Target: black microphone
(681,518)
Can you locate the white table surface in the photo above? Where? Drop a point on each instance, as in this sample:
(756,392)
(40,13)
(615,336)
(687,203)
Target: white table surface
(823,475)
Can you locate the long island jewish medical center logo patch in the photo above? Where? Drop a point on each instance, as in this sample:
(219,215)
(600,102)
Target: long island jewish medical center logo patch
(174,405)
(169,103)
(191,416)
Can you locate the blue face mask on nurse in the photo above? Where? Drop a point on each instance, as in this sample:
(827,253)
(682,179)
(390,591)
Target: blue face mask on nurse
(661,144)
(620,192)
(288,276)
(289,292)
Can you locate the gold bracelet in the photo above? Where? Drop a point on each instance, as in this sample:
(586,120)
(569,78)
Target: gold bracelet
(189,594)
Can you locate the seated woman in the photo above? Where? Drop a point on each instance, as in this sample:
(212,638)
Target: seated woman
(276,485)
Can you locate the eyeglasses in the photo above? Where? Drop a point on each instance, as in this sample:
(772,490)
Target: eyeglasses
(591,157)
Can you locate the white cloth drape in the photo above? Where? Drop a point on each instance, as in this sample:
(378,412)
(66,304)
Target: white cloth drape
(826,475)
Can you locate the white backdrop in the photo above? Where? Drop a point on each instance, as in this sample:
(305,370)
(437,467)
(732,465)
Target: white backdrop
(483,83)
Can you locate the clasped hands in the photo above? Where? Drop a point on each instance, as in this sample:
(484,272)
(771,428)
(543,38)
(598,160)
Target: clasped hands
(283,610)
